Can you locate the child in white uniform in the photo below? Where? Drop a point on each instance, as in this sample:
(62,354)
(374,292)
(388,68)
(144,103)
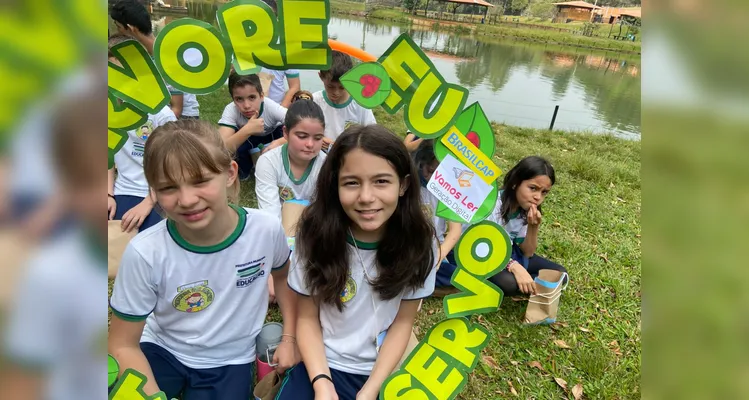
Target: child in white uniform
(190,296)
(359,282)
(339,107)
(289,172)
(448,232)
(54,337)
(250,121)
(128,197)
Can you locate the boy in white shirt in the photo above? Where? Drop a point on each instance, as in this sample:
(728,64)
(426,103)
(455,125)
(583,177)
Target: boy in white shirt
(339,107)
(250,122)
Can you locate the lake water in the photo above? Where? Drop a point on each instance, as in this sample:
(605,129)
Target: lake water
(516,83)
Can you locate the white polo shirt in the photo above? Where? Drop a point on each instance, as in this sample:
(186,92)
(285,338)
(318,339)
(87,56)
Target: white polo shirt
(272,113)
(57,322)
(275,183)
(278,87)
(131,180)
(516,227)
(205,305)
(339,116)
(349,336)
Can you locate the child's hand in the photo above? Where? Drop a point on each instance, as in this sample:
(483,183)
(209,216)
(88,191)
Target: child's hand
(111,207)
(326,142)
(286,356)
(255,126)
(134,217)
(366,394)
(525,282)
(412,142)
(534,216)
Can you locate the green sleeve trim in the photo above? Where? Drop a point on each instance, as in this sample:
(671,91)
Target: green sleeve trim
(519,240)
(128,317)
(176,92)
(229,126)
(292,75)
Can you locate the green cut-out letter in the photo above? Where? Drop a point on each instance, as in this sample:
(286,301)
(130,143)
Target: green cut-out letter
(303,27)
(137,81)
(250,27)
(477,297)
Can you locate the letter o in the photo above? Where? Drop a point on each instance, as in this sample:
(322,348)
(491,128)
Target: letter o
(169,53)
(499,253)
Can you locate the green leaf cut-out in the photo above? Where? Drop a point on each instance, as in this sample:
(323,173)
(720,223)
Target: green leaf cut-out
(368,83)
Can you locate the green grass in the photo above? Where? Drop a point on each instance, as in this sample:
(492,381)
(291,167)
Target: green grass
(591,226)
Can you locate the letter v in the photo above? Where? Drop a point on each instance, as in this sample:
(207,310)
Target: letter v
(137,81)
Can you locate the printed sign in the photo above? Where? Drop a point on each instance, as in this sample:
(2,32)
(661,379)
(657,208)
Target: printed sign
(470,155)
(458,187)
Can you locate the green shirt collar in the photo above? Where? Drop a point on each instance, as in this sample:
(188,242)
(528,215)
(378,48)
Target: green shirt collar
(172,228)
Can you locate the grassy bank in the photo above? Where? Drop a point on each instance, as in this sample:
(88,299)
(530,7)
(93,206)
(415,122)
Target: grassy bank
(503,29)
(591,226)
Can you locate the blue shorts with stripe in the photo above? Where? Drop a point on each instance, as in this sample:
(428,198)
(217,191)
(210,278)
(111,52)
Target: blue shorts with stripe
(231,382)
(297,386)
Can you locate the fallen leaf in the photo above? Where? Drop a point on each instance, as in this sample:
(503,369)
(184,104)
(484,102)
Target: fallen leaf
(518,298)
(514,362)
(536,364)
(615,348)
(604,257)
(611,184)
(584,329)
(561,382)
(556,224)
(507,335)
(431,311)
(577,391)
(561,343)
(490,361)
(512,389)
(559,325)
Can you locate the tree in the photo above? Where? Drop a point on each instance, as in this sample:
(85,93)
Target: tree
(542,9)
(411,5)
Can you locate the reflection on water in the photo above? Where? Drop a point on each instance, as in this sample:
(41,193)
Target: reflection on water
(516,83)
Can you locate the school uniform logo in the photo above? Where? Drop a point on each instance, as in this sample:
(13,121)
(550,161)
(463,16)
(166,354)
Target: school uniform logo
(193,297)
(349,291)
(285,193)
(249,272)
(145,130)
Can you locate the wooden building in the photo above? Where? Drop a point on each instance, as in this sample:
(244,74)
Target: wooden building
(574,11)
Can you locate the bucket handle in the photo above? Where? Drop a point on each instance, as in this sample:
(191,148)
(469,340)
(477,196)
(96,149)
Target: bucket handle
(267,354)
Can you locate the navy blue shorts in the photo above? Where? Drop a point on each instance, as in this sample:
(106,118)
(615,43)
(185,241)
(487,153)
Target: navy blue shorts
(125,203)
(232,382)
(297,386)
(243,156)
